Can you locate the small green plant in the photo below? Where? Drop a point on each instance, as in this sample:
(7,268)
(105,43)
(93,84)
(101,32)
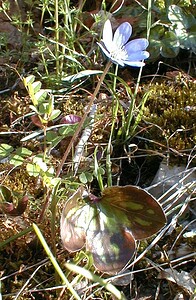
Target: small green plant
(44,112)
(7,202)
(173,31)
(61,23)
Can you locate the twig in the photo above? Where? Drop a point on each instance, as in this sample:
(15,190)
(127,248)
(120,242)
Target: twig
(83,119)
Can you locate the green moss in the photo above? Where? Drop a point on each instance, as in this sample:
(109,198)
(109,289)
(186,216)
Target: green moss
(19,180)
(171,108)
(74,105)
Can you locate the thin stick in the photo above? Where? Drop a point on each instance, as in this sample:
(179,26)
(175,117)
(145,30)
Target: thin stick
(83,118)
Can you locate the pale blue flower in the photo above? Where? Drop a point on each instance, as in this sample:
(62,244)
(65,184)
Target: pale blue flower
(118,50)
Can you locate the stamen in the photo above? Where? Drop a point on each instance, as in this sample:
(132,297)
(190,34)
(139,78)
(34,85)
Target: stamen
(118,54)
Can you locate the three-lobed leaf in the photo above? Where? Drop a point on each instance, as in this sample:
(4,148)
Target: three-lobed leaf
(108,226)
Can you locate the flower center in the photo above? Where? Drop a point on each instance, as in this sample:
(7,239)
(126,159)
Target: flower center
(118,53)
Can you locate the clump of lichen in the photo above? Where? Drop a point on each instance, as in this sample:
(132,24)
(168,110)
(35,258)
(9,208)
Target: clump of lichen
(171,108)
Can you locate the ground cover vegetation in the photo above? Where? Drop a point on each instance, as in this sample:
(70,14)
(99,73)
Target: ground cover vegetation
(97,149)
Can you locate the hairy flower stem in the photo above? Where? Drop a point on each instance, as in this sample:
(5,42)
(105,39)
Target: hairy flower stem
(83,118)
(129,132)
(115,105)
(56,17)
(149,19)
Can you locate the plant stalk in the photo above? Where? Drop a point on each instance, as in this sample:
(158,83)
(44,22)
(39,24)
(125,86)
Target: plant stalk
(83,118)
(115,105)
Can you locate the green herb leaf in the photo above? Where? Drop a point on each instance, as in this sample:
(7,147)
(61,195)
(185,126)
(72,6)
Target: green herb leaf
(5,150)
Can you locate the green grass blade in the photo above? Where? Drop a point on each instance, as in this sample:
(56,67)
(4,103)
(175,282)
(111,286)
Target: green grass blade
(54,262)
(108,286)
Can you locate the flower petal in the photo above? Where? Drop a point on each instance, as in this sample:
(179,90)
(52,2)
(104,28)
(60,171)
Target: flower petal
(105,51)
(122,34)
(136,45)
(107,35)
(135,63)
(120,62)
(137,56)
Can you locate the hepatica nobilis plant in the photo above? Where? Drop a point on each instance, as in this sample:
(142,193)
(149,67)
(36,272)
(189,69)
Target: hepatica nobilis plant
(117,48)
(108,226)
